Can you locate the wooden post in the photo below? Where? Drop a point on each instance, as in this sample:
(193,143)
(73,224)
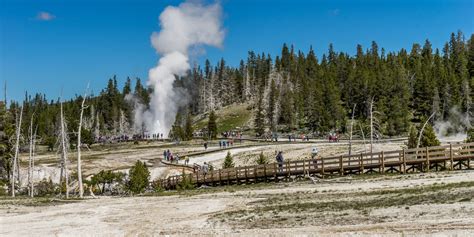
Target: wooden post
(304,168)
(451,156)
(265,171)
(404,169)
(322,167)
(288,168)
(255,170)
(275,170)
(361,164)
(246,178)
(383,163)
(427,160)
(341,168)
(220,178)
(212,178)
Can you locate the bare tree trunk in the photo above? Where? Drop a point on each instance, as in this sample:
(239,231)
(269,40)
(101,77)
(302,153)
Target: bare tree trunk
(422,129)
(363,137)
(352,124)
(30,156)
(371,126)
(17,147)
(33,164)
(79,168)
(64,151)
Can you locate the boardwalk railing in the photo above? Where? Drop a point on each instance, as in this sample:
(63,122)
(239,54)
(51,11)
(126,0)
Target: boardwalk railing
(455,156)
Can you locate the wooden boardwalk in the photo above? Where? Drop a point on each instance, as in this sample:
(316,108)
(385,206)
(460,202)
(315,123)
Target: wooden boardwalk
(426,159)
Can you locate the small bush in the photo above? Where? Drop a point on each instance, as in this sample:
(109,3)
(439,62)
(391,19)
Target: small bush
(3,188)
(186,183)
(46,188)
(262,159)
(156,186)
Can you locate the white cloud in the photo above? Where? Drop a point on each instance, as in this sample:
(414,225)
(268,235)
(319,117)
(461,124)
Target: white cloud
(45,16)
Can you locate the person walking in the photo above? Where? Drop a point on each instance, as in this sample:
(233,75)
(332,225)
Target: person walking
(165,155)
(186,160)
(280,160)
(205,168)
(205,146)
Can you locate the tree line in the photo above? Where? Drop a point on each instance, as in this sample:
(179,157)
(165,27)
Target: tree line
(294,91)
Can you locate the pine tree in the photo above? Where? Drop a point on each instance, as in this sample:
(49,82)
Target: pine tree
(188,127)
(429,137)
(470,135)
(212,125)
(139,177)
(228,161)
(412,138)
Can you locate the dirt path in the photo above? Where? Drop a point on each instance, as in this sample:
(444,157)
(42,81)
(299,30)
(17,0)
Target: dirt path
(259,210)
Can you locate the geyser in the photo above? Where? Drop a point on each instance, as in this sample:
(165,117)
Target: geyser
(191,24)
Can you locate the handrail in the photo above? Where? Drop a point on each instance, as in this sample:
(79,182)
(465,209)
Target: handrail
(382,159)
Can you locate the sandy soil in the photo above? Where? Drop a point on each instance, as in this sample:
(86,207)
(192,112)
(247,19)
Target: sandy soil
(400,205)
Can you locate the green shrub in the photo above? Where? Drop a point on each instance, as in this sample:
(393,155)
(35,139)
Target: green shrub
(104,180)
(139,177)
(3,188)
(470,135)
(186,183)
(46,188)
(262,159)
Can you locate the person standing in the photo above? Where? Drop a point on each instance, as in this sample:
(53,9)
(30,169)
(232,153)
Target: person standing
(280,160)
(165,155)
(205,145)
(205,168)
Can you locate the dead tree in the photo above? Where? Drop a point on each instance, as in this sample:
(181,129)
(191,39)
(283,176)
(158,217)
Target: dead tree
(30,190)
(350,135)
(363,137)
(422,129)
(64,167)
(17,148)
(33,163)
(79,168)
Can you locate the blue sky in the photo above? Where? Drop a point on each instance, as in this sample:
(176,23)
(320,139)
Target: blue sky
(49,45)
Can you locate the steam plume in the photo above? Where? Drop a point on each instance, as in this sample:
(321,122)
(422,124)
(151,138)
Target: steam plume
(191,24)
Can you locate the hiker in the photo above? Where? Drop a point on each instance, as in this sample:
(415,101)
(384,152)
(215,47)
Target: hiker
(168,154)
(205,168)
(289,138)
(165,155)
(205,145)
(280,160)
(177,159)
(223,143)
(171,157)
(220,144)
(314,152)
(228,143)
(186,160)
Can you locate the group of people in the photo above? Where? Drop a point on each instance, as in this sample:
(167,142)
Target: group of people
(169,156)
(303,137)
(226,143)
